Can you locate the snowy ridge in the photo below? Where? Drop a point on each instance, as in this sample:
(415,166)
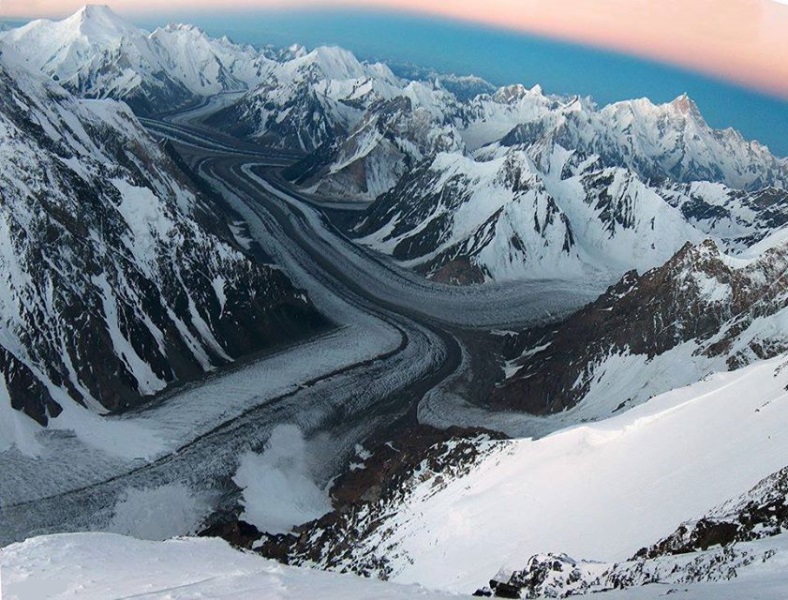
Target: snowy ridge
(659,142)
(760,513)
(503,219)
(560,576)
(310,99)
(631,173)
(98,566)
(617,215)
(381,147)
(614,481)
(725,544)
(97,54)
(700,313)
(112,290)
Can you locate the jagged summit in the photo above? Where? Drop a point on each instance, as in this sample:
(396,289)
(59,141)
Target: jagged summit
(97,11)
(172,27)
(96,53)
(99,21)
(336,63)
(685,105)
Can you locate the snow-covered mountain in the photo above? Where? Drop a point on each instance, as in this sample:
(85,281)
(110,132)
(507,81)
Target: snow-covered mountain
(97,54)
(632,174)
(700,313)
(118,281)
(470,507)
(459,219)
(310,99)
(386,143)
(573,190)
(658,142)
(112,289)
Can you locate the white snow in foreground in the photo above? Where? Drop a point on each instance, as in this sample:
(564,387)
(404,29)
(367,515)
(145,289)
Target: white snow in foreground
(96,566)
(279,490)
(761,580)
(599,491)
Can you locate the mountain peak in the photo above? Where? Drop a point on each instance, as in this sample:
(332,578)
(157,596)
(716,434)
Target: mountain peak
(686,106)
(173,27)
(98,20)
(334,62)
(97,11)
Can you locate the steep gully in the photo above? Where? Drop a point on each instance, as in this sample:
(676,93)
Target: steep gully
(398,339)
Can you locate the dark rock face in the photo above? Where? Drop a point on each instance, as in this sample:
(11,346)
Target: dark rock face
(26,392)
(305,127)
(157,93)
(113,290)
(238,533)
(699,295)
(459,272)
(391,139)
(420,214)
(362,497)
(446,198)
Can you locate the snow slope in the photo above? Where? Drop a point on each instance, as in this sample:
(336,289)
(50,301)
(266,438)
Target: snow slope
(100,566)
(599,490)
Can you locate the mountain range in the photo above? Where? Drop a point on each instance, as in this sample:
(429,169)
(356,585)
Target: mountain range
(119,278)
(656,408)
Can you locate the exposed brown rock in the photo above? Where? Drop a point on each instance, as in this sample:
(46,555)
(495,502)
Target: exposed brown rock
(648,315)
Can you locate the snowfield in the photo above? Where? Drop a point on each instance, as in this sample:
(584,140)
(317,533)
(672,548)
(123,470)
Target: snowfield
(599,491)
(98,566)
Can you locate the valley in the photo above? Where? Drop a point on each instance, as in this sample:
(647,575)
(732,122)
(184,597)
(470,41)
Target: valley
(502,341)
(393,347)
